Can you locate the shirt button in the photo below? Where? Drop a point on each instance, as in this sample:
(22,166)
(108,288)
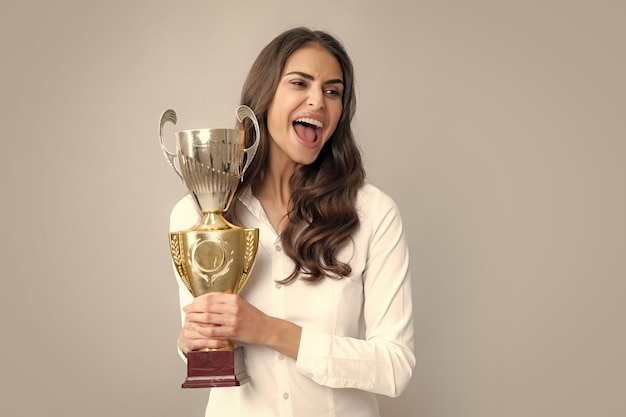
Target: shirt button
(281,356)
(278,248)
(286,396)
(278,286)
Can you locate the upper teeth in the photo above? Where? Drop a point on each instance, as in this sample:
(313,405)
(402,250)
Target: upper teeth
(310,121)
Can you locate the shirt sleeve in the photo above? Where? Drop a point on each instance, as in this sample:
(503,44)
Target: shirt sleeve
(384,360)
(184,215)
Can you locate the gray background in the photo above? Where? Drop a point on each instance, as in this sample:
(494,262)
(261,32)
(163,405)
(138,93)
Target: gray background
(498,126)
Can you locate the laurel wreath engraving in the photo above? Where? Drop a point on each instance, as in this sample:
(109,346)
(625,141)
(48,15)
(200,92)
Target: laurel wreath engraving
(177,257)
(248,260)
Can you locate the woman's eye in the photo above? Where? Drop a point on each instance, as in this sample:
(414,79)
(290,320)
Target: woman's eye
(333,92)
(298,83)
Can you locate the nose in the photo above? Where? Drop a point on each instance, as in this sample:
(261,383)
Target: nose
(316,98)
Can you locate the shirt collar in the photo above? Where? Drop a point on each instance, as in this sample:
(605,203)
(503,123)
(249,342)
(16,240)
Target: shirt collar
(250,202)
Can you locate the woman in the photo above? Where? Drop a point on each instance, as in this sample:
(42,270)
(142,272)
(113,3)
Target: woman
(326,315)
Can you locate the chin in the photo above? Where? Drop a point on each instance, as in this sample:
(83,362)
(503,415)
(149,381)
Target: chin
(305,161)
(308,158)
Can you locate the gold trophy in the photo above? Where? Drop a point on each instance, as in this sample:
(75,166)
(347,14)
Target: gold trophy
(214,255)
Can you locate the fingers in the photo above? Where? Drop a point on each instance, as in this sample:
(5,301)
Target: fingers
(223,317)
(208,322)
(196,336)
(213,332)
(201,343)
(210,302)
(205,318)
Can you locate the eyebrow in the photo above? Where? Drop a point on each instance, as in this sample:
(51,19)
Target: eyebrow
(310,77)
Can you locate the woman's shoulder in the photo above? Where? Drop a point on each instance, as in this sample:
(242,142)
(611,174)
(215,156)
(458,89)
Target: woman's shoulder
(185,214)
(378,213)
(370,195)
(374,204)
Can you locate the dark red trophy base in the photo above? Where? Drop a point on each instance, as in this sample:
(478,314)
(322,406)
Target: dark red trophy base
(216,368)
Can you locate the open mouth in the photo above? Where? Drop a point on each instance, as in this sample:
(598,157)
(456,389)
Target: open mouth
(308,130)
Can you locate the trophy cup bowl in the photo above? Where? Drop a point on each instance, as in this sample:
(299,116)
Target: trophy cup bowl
(214,255)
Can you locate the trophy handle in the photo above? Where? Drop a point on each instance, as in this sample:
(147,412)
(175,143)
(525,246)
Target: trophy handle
(245,112)
(168,116)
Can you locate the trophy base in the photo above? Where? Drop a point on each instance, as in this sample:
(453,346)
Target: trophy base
(217,368)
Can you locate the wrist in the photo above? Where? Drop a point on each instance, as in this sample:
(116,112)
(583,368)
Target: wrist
(283,336)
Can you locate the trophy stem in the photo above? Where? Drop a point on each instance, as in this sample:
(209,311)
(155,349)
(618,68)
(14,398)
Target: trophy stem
(230,346)
(213,220)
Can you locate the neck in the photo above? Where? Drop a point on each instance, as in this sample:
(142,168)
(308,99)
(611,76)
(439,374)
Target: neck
(273,184)
(273,190)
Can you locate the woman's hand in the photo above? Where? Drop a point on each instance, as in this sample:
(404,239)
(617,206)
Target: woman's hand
(213,319)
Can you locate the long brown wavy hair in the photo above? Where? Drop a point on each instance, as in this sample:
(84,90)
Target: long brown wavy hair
(323,193)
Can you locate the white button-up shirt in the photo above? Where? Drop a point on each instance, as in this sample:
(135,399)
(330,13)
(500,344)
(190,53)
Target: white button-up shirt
(357,332)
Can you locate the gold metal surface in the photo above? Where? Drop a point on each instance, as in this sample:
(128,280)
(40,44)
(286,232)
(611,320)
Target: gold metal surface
(214,255)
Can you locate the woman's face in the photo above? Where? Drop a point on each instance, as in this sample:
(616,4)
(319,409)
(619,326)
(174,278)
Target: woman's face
(306,106)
